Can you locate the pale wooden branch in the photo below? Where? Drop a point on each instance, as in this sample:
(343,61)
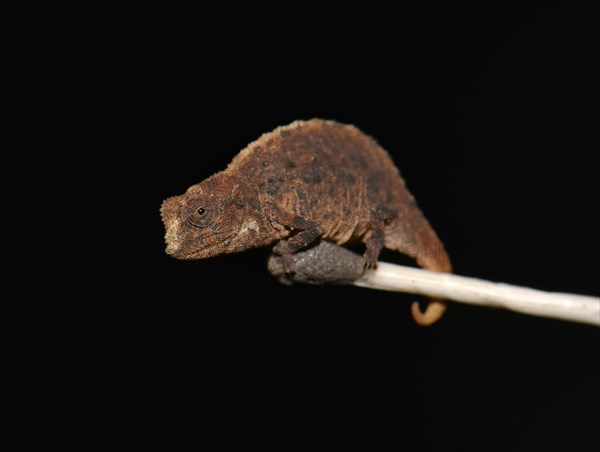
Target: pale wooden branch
(397,278)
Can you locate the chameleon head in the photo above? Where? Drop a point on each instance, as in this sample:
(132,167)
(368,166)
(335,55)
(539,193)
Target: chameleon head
(203,222)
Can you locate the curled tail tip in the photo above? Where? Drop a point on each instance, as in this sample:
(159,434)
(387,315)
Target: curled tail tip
(434,311)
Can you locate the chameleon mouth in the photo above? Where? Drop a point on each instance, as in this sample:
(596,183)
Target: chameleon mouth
(216,248)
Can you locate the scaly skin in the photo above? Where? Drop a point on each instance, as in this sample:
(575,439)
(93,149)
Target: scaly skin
(304,181)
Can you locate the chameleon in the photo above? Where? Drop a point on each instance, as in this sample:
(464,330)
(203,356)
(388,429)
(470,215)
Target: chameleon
(300,183)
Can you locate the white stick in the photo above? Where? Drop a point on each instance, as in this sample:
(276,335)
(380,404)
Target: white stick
(397,278)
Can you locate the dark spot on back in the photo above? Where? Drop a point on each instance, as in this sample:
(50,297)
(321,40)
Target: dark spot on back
(357,159)
(258,149)
(311,175)
(346,178)
(253,203)
(273,184)
(374,181)
(302,195)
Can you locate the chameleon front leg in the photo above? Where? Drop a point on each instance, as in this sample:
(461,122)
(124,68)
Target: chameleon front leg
(305,232)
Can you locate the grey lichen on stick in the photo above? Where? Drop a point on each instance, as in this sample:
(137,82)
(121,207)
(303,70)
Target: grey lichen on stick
(327,263)
(324,263)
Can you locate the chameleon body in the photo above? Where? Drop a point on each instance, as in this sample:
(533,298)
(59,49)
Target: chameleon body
(301,182)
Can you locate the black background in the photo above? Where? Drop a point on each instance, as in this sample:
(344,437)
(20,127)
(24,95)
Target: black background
(488,109)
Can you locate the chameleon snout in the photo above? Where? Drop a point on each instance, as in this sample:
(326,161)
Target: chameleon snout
(168,214)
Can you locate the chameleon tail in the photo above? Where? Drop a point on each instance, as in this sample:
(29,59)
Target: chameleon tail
(422,244)
(438,261)
(434,311)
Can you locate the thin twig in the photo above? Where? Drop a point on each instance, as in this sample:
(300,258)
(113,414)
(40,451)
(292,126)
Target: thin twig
(397,278)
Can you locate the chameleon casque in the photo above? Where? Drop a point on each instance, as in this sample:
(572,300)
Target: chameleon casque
(303,182)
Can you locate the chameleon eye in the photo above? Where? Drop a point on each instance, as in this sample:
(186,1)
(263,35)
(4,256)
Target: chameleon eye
(200,217)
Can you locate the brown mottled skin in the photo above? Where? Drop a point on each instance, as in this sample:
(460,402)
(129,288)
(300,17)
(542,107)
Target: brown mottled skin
(301,182)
